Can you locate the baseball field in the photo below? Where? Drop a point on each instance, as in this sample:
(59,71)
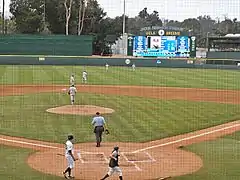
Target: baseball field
(182,123)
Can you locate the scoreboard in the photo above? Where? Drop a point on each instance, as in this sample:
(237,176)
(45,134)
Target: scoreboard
(161,46)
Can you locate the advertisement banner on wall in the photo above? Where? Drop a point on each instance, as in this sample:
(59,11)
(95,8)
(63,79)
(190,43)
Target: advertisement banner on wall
(193,47)
(139,45)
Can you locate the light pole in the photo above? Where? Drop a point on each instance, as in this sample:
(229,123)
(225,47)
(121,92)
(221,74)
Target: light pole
(207,41)
(3,16)
(124,39)
(124,16)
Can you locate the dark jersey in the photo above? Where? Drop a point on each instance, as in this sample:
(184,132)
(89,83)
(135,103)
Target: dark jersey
(113,162)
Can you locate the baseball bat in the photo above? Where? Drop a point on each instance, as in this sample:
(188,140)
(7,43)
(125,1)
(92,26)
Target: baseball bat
(59,154)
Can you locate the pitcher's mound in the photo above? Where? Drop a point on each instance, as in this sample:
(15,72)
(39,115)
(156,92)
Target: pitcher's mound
(80,110)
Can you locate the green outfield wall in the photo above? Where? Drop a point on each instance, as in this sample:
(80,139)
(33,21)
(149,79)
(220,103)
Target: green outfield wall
(93,61)
(223,55)
(46,45)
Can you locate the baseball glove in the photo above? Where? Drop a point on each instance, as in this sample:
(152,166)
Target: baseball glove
(107,131)
(68,92)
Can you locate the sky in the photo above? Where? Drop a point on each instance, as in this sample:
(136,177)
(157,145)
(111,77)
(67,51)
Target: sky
(172,9)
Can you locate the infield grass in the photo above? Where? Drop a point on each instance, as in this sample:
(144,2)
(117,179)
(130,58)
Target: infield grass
(173,77)
(135,119)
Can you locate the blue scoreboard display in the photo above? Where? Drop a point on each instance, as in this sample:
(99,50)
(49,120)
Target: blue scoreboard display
(161,46)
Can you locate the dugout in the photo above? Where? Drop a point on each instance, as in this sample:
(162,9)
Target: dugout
(221,48)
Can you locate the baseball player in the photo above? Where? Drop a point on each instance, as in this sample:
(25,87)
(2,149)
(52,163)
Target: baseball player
(84,77)
(72,80)
(106,66)
(133,67)
(72,92)
(113,164)
(99,124)
(69,157)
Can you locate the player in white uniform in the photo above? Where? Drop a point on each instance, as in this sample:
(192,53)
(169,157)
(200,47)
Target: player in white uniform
(133,67)
(84,77)
(72,80)
(72,92)
(106,66)
(69,157)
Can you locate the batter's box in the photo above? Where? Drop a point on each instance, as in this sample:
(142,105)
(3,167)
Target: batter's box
(139,157)
(92,158)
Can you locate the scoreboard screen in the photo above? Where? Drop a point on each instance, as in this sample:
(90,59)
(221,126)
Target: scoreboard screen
(161,46)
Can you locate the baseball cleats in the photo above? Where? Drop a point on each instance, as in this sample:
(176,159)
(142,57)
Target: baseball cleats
(65,176)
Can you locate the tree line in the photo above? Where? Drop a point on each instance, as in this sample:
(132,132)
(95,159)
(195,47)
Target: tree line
(87,17)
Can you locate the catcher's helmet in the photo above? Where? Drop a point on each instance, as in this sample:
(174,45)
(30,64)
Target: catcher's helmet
(70,137)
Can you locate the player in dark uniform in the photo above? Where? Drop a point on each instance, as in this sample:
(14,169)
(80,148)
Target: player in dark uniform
(113,164)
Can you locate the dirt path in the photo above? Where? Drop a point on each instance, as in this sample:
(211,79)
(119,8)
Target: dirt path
(139,160)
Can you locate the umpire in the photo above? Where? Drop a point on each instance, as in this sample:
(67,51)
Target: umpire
(99,124)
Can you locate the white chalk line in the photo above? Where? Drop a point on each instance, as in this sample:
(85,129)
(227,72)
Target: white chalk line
(150,158)
(80,157)
(133,163)
(184,139)
(28,143)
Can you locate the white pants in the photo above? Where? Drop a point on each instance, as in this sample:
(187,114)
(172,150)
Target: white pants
(70,162)
(115,169)
(72,97)
(84,78)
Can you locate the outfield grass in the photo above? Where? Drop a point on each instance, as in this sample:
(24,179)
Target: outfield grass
(14,167)
(135,118)
(221,159)
(198,78)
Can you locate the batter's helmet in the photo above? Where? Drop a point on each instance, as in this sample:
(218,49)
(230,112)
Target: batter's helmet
(116,148)
(70,137)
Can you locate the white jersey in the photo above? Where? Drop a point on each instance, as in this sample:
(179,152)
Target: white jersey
(72,80)
(68,147)
(72,91)
(84,74)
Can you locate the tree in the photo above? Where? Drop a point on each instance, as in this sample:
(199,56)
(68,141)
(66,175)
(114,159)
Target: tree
(68,11)
(173,23)
(226,26)
(81,14)
(3,17)
(192,25)
(28,15)
(154,20)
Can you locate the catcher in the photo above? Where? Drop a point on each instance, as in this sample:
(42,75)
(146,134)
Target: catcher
(99,126)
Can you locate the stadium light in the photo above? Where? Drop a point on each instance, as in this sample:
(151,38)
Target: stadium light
(124,16)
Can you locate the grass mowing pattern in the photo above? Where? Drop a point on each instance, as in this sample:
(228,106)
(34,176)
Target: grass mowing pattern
(197,78)
(13,165)
(221,159)
(135,118)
